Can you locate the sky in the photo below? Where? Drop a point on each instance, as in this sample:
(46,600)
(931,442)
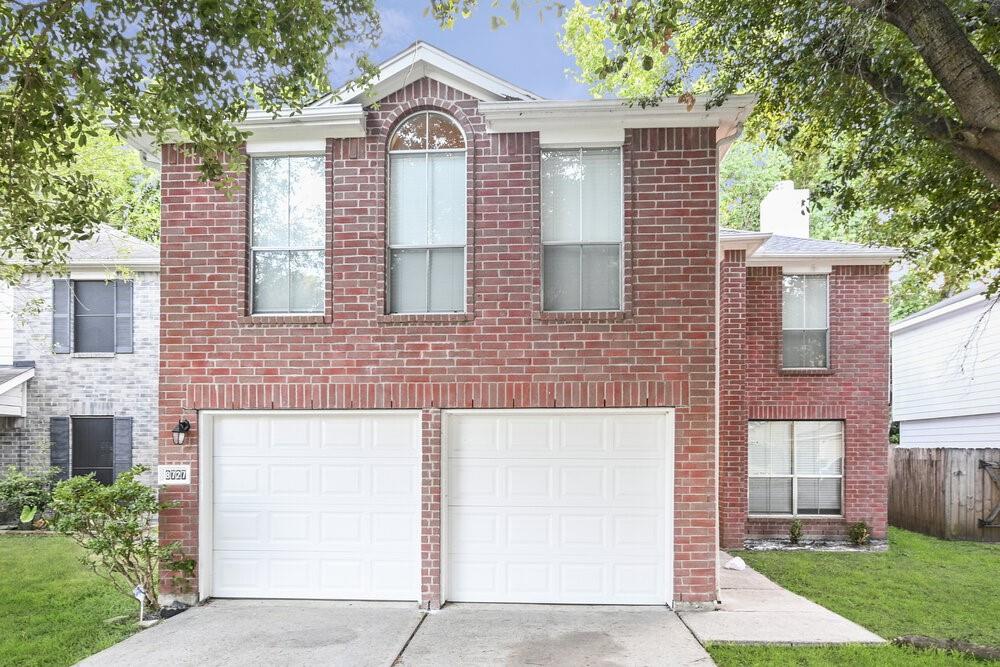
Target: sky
(525,52)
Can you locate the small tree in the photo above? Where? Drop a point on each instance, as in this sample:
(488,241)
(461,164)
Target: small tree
(114,524)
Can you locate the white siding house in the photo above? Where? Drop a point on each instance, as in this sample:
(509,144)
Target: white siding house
(946,374)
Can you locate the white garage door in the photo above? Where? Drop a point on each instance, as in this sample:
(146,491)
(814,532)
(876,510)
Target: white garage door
(321,505)
(559,506)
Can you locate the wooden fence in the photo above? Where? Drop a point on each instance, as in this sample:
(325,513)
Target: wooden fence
(943,492)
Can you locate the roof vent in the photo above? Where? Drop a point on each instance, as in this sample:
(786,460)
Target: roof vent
(785,211)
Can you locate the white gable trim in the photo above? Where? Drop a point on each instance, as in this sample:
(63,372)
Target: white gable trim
(420,60)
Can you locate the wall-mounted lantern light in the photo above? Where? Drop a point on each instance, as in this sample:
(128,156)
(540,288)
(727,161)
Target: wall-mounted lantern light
(180,431)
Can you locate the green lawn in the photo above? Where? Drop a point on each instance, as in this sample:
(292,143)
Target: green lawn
(921,586)
(52,608)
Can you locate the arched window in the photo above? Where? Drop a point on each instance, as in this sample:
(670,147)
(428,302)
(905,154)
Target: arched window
(427,215)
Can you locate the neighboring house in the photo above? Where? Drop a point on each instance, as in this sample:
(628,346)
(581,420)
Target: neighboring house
(946,373)
(87,348)
(464,344)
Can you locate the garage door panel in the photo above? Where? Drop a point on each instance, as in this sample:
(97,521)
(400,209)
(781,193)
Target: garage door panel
(309,511)
(561,531)
(549,580)
(528,482)
(577,514)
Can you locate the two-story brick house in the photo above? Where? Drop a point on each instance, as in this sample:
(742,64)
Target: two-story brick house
(85,344)
(450,341)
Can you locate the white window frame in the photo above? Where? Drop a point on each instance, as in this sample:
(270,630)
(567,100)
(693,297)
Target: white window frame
(581,244)
(426,247)
(254,249)
(795,477)
(826,329)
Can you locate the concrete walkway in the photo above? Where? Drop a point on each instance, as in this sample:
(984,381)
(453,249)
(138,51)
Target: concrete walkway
(755,610)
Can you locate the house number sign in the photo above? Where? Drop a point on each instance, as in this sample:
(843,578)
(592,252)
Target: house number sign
(174,474)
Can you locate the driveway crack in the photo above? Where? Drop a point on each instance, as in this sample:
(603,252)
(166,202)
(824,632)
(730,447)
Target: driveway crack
(399,656)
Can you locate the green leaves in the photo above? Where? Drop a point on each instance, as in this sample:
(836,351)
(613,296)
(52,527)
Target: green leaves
(167,70)
(115,524)
(840,79)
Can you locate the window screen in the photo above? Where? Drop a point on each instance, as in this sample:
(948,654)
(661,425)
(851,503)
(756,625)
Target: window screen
(582,229)
(93,316)
(93,447)
(795,467)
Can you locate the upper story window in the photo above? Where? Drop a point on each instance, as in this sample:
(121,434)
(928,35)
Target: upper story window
(582,229)
(91,316)
(805,322)
(427,215)
(795,467)
(288,234)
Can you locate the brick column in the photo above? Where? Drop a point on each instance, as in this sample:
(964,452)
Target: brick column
(732,399)
(430,510)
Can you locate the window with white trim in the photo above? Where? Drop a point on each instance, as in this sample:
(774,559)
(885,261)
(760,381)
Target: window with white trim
(795,467)
(805,336)
(288,234)
(582,229)
(427,215)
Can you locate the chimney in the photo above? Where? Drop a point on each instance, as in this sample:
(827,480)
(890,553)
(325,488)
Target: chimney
(785,211)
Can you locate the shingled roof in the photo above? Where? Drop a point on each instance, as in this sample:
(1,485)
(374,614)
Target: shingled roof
(110,247)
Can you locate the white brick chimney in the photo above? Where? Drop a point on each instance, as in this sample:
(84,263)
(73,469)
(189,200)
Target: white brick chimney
(785,211)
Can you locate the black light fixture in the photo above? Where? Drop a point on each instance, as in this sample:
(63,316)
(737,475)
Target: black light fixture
(180,431)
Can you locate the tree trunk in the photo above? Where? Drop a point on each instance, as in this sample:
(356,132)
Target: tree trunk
(970,80)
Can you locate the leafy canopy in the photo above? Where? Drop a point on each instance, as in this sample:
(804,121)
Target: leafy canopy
(172,68)
(901,98)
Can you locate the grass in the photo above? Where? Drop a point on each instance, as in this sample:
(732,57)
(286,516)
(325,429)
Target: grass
(921,586)
(52,608)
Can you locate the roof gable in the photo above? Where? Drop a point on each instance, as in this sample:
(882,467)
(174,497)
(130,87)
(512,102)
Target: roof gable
(423,60)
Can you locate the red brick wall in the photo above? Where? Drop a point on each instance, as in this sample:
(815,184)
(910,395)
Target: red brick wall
(732,398)
(854,390)
(504,353)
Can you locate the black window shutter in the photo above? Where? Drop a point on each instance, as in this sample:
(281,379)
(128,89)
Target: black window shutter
(123,444)
(59,445)
(123,316)
(61,321)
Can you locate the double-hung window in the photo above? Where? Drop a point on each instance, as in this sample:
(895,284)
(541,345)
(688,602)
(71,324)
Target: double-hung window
(796,467)
(804,322)
(582,229)
(427,215)
(288,234)
(91,316)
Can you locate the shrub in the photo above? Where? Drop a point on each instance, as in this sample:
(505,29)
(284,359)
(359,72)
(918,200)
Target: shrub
(26,495)
(114,524)
(795,531)
(859,533)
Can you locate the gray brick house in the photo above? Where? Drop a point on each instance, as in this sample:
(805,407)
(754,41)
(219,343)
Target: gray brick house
(79,361)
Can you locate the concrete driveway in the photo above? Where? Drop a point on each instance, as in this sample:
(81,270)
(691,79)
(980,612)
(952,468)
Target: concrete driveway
(278,632)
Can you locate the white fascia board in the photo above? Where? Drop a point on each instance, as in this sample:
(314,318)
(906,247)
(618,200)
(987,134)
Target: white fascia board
(974,300)
(419,60)
(98,270)
(17,380)
(838,259)
(292,131)
(555,121)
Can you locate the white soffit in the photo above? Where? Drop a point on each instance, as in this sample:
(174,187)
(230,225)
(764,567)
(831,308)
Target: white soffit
(589,122)
(420,60)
